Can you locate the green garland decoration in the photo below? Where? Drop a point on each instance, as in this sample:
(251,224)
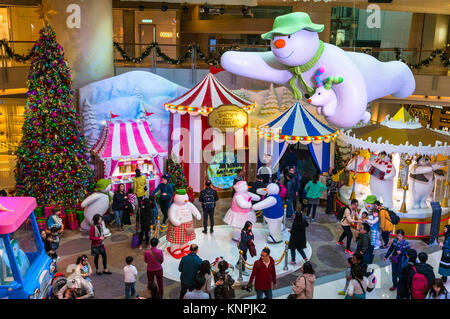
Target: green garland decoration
(167,59)
(426,62)
(11,54)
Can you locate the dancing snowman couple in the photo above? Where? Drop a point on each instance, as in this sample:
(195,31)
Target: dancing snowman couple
(242,210)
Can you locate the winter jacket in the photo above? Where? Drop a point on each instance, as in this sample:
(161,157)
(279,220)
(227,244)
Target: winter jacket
(245,238)
(290,186)
(363,243)
(395,246)
(314,190)
(139,184)
(403,292)
(119,201)
(164,188)
(303,287)
(262,275)
(189,266)
(331,185)
(152,264)
(385,223)
(424,269)
(219,291)
(297,239)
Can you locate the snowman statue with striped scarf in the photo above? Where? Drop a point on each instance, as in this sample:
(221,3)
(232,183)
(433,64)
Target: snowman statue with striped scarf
(382,173)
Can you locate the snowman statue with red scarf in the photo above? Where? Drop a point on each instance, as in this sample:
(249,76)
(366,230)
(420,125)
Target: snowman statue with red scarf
(382,173)
(181,224)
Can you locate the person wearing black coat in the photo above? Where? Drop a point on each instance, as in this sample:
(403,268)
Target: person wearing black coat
(301,196)
(402,289)
(144,219)
(119,204)
(246,236)
(423,268)
(297,240)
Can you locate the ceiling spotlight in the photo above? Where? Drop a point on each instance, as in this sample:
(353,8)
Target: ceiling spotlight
(185,9)
(244,10)
(206,9)
(222,10)
(164,8)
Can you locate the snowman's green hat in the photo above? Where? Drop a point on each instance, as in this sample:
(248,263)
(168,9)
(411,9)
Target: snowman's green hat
(181,191)
(291,23)
(102,184)
(370,199)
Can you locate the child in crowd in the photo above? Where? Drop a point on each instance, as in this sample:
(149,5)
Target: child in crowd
(364,216)
(53,240)
(348,276)
(130,274)
(56,220)
(132,199)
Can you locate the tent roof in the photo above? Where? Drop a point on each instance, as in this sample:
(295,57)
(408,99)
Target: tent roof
(128,139)
(297,124)
(205,96)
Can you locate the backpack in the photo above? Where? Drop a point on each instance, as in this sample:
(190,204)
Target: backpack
(393,218)
(208,199)
(419,285)
(341,213)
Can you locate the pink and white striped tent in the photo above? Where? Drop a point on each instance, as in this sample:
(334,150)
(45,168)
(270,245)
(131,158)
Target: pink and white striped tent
(185,116)
(127,140)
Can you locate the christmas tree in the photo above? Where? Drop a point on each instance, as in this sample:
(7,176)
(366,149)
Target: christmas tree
(176,175)
(51,158)
(287,100)
(271,104)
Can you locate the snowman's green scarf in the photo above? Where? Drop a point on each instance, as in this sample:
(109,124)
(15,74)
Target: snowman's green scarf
(298,70)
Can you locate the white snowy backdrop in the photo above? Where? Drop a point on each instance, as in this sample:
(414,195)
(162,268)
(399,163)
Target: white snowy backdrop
(128,95)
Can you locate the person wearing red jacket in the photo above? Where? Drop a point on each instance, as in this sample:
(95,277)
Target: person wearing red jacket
(263,273)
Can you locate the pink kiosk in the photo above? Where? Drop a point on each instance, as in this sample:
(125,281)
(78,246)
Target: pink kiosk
(26,272)
(123,146)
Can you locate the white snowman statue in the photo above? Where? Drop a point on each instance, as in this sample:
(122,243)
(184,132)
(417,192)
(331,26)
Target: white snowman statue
(97,203)
(181,224)
(241,209)
(382,173)
(273,211)
(421,180)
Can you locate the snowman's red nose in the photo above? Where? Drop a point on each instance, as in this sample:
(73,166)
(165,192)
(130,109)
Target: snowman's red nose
(280,43)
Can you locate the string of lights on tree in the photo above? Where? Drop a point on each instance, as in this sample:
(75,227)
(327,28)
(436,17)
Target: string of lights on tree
(51,158)
(166,58)
(426,62)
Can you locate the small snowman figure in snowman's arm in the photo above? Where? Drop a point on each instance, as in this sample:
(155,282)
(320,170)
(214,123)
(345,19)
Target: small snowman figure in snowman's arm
(181,224)
(324,97)
(273,211)
(241,209)
(97,203)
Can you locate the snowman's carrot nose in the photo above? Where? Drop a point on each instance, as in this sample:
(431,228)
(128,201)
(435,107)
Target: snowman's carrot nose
(309,101)
(280,43)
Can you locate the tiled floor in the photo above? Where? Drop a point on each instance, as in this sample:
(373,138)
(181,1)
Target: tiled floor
(327,258)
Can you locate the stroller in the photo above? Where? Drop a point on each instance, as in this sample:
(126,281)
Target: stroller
(58,282)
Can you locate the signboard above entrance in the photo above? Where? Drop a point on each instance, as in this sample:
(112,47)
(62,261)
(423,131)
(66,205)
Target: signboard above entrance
(227,117)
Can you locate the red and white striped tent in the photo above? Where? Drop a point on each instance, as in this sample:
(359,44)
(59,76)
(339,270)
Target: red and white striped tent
(189,119)
(126,140)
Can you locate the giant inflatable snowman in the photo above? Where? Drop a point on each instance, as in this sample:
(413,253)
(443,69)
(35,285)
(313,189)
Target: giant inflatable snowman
(297,53)
(241,209)
(181,224)
(273,211)
(97,203)
(421,180)
(382,173)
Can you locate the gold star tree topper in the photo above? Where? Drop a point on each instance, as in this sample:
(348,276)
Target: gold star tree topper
(45,11)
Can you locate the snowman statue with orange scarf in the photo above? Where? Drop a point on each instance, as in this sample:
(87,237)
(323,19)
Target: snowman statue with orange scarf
(181,224)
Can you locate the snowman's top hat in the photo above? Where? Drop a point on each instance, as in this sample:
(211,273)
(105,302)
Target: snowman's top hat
(291,23)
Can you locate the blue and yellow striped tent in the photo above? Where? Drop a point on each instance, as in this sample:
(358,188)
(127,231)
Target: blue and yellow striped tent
(296,125)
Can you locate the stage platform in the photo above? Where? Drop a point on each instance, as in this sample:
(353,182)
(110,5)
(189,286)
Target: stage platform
(219,244)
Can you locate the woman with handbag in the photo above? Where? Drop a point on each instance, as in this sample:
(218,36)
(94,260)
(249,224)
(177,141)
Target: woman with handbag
(398,249)
(97,236)
(303,287)
(246,244)
(154,258)
(119,204)
(224,282)
(297,240)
